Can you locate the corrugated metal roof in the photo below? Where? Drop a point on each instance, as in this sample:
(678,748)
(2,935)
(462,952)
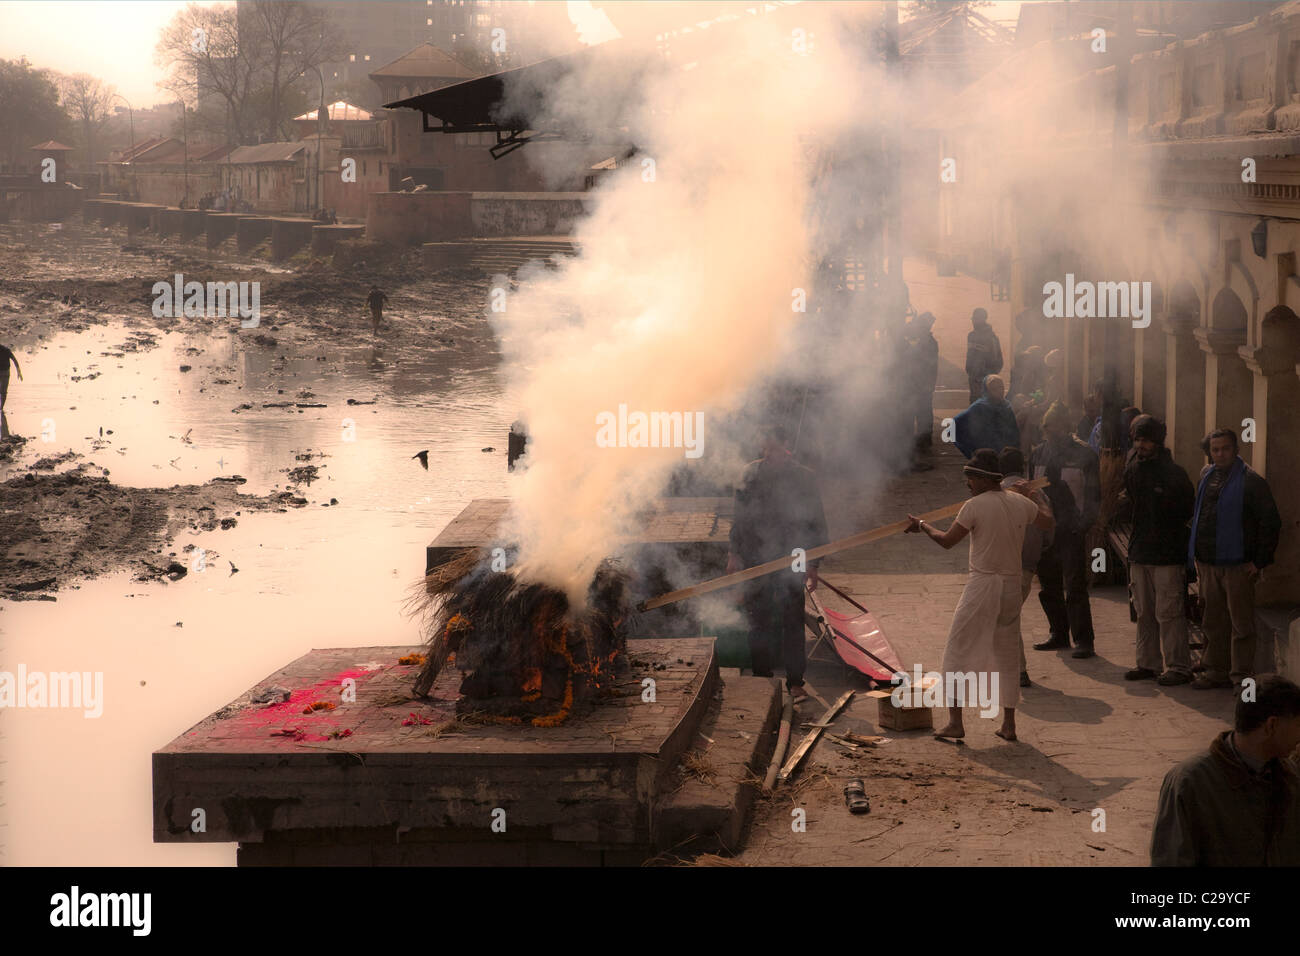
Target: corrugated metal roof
(266,153)
(475,102)
(50,144)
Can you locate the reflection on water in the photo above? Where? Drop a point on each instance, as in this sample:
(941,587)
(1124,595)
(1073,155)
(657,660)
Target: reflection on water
(78,790)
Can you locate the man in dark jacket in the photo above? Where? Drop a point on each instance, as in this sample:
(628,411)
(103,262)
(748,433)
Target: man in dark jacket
(376,300)
(778,509)
(983,353)
(1238,804)
(1158,496)
(1235,527)
(923,371)
(1075,496)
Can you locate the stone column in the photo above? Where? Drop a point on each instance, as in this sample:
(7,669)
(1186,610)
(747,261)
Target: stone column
(1276,453)
(1149,368)
(1229,390)
(1184,395)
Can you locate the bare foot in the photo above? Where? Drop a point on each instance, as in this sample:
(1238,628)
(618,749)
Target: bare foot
(1007,733)
(951,732)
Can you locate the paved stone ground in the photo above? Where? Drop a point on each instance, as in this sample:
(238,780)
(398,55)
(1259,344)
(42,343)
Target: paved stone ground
(1088,739)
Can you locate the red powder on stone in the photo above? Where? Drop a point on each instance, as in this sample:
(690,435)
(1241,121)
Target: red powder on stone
(310,727)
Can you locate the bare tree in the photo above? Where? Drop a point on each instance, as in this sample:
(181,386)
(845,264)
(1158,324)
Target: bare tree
(295,40)
(207,65)
(87,99)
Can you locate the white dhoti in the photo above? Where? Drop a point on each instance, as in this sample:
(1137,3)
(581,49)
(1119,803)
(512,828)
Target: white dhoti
(985,638)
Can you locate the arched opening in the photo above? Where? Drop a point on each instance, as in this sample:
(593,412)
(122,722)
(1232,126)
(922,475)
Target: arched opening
(1228,314)
(1229,386)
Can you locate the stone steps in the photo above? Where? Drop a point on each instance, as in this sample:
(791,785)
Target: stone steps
(496,255)
(742,725)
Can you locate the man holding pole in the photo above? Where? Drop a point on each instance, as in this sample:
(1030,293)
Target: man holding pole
(778,510)
(984,634)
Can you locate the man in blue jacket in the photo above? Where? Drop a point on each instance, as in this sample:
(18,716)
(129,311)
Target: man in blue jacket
(1235,527)
(990,422)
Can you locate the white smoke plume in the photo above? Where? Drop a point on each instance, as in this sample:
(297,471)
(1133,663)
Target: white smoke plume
(682,298)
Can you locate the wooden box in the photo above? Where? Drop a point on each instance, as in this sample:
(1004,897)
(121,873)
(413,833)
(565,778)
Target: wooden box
(889,716)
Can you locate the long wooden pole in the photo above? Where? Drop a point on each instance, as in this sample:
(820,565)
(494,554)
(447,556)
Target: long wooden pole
(779,564)
(806,744)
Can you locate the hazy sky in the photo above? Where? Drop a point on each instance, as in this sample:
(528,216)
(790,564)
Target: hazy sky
(114,39)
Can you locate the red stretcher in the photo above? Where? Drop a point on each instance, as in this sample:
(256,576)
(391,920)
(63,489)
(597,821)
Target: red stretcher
(858,641)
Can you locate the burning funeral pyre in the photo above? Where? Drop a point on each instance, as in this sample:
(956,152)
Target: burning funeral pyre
(524,652)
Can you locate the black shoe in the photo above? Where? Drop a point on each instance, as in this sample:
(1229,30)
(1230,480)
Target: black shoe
(1140,673)
(1174,678)
(1024,679)
(1083,651)
(1052,644)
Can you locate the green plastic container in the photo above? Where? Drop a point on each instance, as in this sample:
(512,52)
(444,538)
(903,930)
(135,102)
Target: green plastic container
(732,648)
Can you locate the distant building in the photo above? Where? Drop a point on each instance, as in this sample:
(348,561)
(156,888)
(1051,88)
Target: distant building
(272,177)
(161,170)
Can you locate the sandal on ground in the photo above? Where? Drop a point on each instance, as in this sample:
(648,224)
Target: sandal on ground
(855,796)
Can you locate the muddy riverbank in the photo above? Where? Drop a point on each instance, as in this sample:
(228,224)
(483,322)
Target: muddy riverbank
(57,528)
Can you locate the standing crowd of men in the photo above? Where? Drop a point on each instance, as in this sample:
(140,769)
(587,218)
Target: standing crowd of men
(1109,469)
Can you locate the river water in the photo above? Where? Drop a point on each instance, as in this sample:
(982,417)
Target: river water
(77,790)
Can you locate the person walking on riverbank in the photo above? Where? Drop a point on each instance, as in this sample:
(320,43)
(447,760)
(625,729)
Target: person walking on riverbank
(376,300)
(7,356)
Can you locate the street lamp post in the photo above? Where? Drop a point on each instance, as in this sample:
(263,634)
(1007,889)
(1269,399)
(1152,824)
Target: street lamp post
(320,141)
(130,114)
(185,154)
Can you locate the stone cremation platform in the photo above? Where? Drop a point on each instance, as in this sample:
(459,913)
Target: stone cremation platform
(384,778)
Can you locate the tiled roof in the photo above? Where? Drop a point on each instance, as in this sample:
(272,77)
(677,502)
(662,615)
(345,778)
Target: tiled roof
(424,61)
(266,153)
